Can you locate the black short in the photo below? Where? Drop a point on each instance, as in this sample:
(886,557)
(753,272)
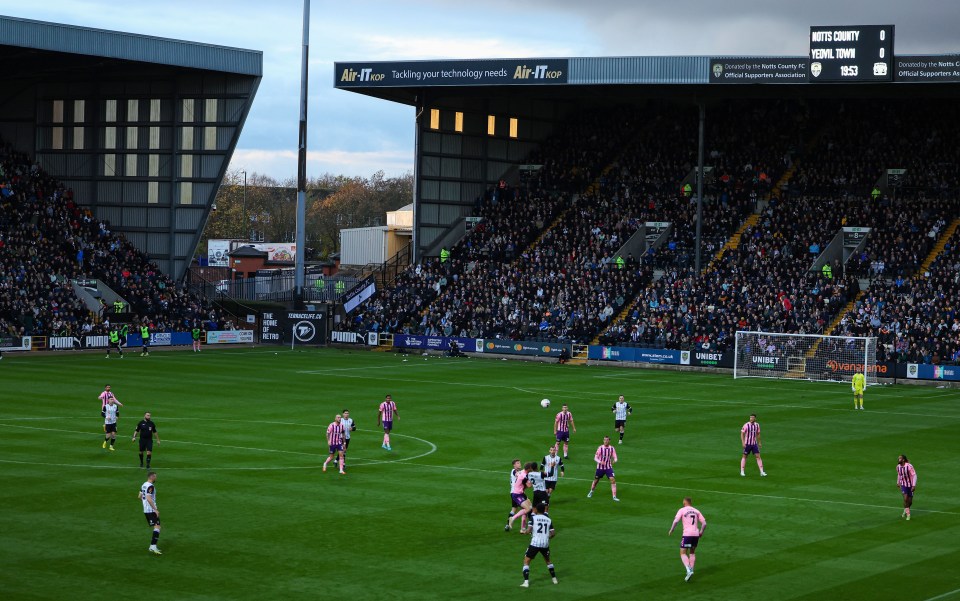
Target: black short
(619,423)
(540,496)
(551,484)
(152,518)
(108,428)
(532,552)
(146,444)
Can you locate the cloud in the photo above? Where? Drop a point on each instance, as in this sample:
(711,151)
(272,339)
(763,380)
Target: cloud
(282,164)
(390,47)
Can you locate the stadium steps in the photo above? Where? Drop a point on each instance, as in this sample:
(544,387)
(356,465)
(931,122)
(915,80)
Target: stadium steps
(836,320)
(627,308)
(785,178)
(940,246)
(734,242)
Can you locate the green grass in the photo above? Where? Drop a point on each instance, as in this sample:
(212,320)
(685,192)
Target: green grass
(247,514)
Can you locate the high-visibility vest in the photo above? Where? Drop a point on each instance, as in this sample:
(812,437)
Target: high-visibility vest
(114,337)
(118,306)
(444,255)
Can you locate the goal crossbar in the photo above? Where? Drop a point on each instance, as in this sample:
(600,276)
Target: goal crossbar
(813,357)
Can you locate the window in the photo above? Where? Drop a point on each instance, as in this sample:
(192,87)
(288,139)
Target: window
(210,111)
(513,127)
(131,167)
(78,138)
(110,113)
(153,192)
(186,193)
(186,139)
(154,109)
(491,125)
(153,165)
(57,111)
(109,165)
(133,110)
(56,138)
(209,138)
(186,166)
(154,138)
(187,116)
(458,122)
(434,118)
(79,106)
(132,138)
(110,137)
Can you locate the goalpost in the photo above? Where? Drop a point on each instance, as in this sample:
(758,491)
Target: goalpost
(804,357)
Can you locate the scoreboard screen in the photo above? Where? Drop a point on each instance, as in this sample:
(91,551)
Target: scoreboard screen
(851,53)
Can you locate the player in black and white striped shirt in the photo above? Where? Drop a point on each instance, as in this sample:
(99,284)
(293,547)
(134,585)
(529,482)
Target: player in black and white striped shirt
(537,483)
(620,411)
(541,529)
(552,466)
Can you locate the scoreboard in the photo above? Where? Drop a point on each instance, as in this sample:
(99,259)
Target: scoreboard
(851,53)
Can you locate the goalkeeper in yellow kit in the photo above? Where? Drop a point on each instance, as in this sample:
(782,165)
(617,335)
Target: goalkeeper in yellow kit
(858,383)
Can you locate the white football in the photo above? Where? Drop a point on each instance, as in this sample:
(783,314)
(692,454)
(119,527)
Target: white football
(545,403)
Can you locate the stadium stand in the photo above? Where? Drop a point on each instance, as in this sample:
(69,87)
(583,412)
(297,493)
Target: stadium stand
(46,241)
(915,319)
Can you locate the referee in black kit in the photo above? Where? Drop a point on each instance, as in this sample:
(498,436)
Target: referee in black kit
(147,431)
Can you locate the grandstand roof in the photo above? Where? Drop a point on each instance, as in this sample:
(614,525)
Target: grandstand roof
(634,76)
(72,39)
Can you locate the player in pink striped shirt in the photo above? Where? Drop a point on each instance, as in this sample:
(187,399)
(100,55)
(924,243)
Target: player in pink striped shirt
(335,442)
(519,498)
(689,515)
(106,395)
(388,412)
(562,424)
(907,481)
(605,457)
(750,439)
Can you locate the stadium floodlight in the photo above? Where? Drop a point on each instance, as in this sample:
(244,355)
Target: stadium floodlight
(804,356)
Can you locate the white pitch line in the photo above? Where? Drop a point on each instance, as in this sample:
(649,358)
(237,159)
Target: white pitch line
(365,461)
(705,491)
(944,595)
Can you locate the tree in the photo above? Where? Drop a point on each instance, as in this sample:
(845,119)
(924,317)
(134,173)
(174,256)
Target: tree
(333,202)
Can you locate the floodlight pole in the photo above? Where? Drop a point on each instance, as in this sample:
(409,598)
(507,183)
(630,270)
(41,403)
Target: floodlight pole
(703,116)
(302,165)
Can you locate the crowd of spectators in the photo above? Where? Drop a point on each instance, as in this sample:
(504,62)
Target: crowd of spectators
(902,234)
(47,240)
(512,218)
(764,284)
(860,140)
(916,320)
(570,286)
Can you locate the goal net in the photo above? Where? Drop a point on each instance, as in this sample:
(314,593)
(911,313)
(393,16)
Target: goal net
(804,357)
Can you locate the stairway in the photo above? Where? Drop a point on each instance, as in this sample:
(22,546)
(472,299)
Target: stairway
(828,331)
(734,242)
(938,248)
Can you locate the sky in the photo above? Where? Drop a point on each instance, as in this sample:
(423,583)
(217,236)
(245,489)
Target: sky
(351,134)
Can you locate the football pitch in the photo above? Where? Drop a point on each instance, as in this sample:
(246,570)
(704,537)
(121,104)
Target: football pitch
(248,514)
